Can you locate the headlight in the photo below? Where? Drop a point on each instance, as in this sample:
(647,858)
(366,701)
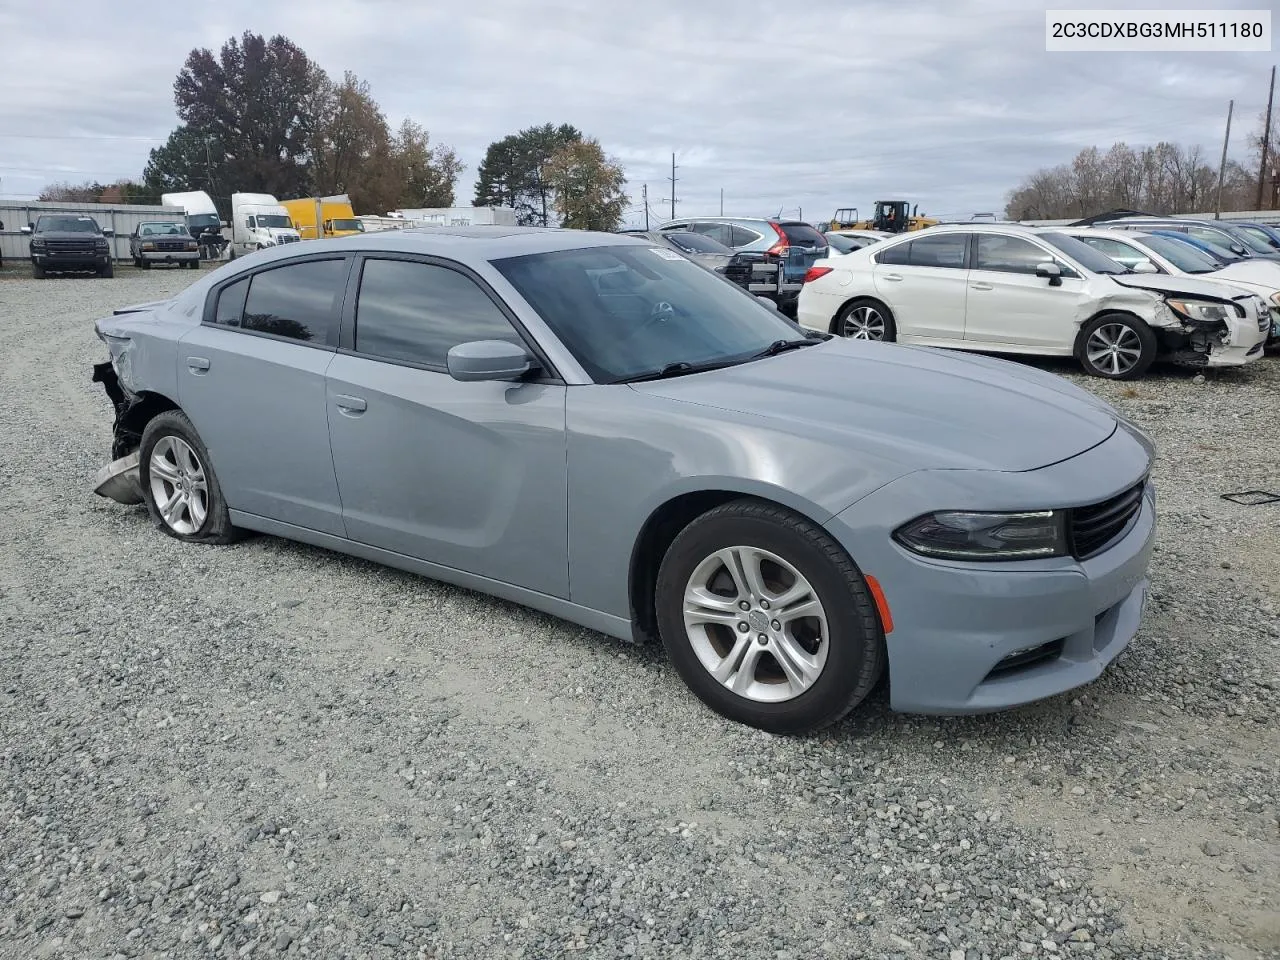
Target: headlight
(37,244)
(1206,312)
(958,535)
(1275,298)
(192,245)
(148,246)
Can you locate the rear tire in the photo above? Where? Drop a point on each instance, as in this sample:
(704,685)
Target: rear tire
(865,319)
(1116,346)
(178,482)
(823,650)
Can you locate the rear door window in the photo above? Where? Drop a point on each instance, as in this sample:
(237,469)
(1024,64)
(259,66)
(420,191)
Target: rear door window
(298,301)
(1009,254)
(940,250)
(898,254)
(230,307)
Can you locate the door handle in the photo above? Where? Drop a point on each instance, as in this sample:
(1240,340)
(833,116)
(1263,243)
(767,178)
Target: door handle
(351,406)
(891,276)
(198,365)
(981,286)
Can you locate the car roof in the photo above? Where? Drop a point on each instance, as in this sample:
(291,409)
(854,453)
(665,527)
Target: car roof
(464,244)
(979,227)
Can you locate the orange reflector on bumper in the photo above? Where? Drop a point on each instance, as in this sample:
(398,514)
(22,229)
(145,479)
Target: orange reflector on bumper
(886,618)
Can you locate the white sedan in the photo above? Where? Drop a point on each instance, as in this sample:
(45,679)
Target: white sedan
(1028,290)
(1175,257)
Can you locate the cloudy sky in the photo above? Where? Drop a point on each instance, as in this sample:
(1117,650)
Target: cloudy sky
(801,106)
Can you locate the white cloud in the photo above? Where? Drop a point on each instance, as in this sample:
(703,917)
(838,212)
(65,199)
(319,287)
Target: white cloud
(827,104)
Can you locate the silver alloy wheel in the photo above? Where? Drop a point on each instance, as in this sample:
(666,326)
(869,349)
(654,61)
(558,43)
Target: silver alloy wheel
(178,485)
(863,323)
(756,624)
(1114,347)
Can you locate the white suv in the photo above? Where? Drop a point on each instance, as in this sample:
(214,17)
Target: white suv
(1012,289)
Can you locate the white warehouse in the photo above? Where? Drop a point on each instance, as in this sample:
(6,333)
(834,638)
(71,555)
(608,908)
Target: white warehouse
(459,216)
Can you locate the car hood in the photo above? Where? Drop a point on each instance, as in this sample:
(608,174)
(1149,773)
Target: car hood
(921,407)
(1187,286)
(1263,272)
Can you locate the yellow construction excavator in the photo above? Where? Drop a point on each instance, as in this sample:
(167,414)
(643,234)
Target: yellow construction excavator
(891,216)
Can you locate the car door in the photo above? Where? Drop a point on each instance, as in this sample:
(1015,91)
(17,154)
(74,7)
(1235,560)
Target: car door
(471,476)
(1008,304)
(923,282)
(251,378)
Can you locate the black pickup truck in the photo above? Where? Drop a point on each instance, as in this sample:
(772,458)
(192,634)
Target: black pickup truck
(65,241)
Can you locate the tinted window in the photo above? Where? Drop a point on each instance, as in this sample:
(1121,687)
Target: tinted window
(1082,254)
(297,301)
(942,250)
(842,244)
(417,312)
(231,303)
(1183,255)
(68,224)
(899,253)
(625,310)
(741,236)
(697,243)
(1009,254)
(803,235)
(1212,236)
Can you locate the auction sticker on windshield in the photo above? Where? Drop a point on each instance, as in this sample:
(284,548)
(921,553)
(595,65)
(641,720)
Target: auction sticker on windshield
(666,254)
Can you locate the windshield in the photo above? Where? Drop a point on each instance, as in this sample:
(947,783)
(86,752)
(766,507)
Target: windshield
(346,225)
(1083,254)
(72,224)
(199,221)
(1182,255)
(1222,254)
(1264,234)
(625,311)
(274,220)
(162,229)
(697,243)
(1251,243)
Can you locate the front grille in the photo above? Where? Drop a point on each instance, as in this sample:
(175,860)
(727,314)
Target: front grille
(1027,657)
(69,246)
(287,239)
(1091,529)
(171,245)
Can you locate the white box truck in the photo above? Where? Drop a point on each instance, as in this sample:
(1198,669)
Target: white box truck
(257,221)
(202,221)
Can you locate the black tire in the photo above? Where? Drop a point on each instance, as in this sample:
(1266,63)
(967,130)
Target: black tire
(108,270)
(216,527)
(37,270)
(845,318)
(1131,332)
(195,264)
(855,654)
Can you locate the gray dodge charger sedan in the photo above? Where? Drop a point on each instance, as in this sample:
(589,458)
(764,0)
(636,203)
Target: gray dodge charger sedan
(596,427)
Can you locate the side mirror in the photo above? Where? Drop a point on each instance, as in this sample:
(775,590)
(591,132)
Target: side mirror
(27,229)
(1145,266)
(1239,250)
(108,232)
(1051,272)
(488,360)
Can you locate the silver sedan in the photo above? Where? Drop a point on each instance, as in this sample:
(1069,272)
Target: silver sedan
(594,426)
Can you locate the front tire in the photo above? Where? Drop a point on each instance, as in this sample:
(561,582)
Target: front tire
(812,647)
(178,482)
(865,319)
(1116,346)
(37,270)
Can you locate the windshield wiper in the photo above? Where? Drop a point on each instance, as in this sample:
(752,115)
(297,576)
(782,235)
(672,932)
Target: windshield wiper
(780,346)
(677,369)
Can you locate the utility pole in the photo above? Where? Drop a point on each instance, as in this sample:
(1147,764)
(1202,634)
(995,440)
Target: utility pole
(1266,140)
(672,178)
(1222,167)
(722,201)
(644,193)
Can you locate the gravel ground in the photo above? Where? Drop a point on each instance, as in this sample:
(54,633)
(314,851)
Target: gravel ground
(268,749)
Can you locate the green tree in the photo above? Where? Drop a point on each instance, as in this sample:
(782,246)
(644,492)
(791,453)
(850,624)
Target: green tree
(589,188)
(189,160)
(428,174)
(512,172)
(350,144)
(255,99)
